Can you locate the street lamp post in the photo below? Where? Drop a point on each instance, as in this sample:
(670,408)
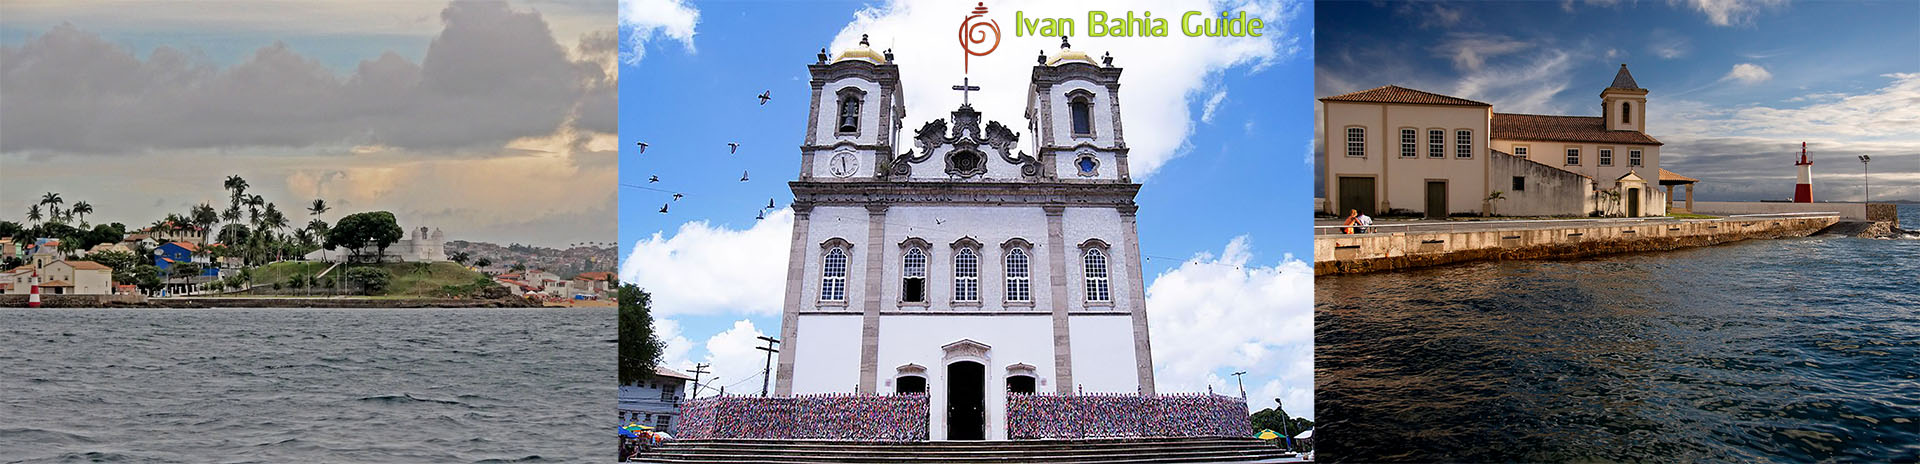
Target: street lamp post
(1243,384)
(1868,180)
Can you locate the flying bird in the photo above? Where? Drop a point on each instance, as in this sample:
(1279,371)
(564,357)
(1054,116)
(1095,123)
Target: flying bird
(764,96)
(733,147)
(643,146)
(676,197)
(769,203)
(760,215)
(653,179)
(663,208)
(743,176)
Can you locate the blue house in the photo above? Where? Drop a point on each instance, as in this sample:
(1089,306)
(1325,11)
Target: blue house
(166,255)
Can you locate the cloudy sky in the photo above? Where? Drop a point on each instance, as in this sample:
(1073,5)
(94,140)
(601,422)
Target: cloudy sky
(1219,131)
(1735,85)
(491,120)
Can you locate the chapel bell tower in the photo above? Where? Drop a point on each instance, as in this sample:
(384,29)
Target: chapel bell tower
(855,115)
(1073,105)
(1624,103)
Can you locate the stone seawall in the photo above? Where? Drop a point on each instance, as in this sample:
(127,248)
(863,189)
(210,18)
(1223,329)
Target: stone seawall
(1363,253)
(74,301)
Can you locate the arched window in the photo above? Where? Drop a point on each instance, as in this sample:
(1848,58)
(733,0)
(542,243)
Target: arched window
(966,275)
(910,384)
(1626,112)
(1098,289)
(913,276)
(1019,280)
(1082,115)
(850,113)
(833,275)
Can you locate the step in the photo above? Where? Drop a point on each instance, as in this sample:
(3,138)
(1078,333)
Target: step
(1108,450)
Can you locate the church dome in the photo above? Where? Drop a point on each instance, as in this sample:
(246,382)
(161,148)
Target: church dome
(1068,55)
(862,52)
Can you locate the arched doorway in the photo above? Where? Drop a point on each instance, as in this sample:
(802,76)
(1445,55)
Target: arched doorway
(966,401)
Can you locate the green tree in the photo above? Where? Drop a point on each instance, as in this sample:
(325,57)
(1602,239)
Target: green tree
(33,214)
(122,263)
(317,208)
(483,262)
(371,280)
(359,231)
(204,217)
(1276,419)
(11,229)
(145,276)
(639,347)
(460,257)
(185,270)
(82,209)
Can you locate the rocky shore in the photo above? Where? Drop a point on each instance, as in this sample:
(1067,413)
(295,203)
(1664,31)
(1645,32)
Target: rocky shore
(133,301)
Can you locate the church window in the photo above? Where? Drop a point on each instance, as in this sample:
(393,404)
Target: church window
(1436,143)
(1573,157)
(1357,141)
(913,281)
(1019,279)
(966,276)
(833,275)
(910,384)
(1606,157)
(1082,109)
(1633,158)
(1020,384)
(850,114)
(1087,165)
(1463,143)
(1098,288)
(1409,143)
(1520,152)
(1626,112)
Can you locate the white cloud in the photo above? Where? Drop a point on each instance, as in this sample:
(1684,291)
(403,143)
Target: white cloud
(703,269)
(647,19)
(1206,115)
(1219,314)
(1470,51)
(1747,73)
(1667,44)
(1163,75)
(734,358)
(677,345)
(1528,87)
(1729,12)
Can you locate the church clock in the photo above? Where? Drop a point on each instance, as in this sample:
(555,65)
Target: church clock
(843,165)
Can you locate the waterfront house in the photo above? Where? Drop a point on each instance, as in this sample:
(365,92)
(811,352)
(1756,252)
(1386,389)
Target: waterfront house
(78,278)
(655,400)
(19,280)
(165,256)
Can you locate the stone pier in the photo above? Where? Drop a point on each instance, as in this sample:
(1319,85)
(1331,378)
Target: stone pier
(1428,244)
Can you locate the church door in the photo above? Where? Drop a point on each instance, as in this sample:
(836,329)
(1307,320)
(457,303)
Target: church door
(966,401)
(1437,199)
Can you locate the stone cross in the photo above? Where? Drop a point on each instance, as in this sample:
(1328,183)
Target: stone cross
(964,88)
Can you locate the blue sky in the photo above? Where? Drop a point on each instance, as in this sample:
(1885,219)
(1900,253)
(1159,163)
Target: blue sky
(1223,209)
(1735,85)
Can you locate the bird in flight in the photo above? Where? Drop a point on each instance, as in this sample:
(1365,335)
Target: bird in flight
(643,146)
(663,208)
(764,96)
(760,215)
(769,203)
(733,147)
(743,176)
(653,179)
(676,197)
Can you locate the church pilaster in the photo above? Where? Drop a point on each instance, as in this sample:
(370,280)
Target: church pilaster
(790,316)
(1057,278)
(1137,296)
(870,321)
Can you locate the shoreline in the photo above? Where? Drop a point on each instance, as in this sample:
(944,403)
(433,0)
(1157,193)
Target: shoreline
(136,302)
(1381,252)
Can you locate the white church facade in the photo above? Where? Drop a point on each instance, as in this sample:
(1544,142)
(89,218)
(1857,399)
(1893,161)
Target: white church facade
(1398,150)
(952,263)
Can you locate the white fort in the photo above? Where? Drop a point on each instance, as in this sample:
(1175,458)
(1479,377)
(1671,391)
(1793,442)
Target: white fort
(961,266)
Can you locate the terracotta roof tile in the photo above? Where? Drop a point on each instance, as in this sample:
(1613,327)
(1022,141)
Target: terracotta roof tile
(187,245)
(1670,176)
(1398,94)
(88,266)
(1591,129)
(57,283)
(594,276)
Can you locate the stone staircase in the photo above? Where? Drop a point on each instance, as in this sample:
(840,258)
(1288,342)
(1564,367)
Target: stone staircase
(1119,450)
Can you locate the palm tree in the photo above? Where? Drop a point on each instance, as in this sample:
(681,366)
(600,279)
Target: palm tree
(53,201)
(82,209)
(254,202)
(205,218)
(318,207)
(33,214)
(237,185)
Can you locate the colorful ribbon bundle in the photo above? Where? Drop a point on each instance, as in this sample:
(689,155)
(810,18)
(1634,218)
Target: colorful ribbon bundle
(830,416)
(1123,415)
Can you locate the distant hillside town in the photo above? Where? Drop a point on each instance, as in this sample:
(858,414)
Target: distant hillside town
(252,248)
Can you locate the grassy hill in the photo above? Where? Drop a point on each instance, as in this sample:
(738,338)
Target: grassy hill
(442,279)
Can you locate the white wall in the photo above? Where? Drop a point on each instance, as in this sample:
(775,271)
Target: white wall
(916,339)
(1103,354)
(827,354)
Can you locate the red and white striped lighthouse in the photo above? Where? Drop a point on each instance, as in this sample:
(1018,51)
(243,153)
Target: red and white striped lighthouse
(1803,191)
(33,297)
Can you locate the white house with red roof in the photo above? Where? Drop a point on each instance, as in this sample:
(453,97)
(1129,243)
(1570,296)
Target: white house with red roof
(1398,150)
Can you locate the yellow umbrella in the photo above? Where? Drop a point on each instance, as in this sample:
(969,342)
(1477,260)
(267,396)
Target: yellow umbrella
(1267,434)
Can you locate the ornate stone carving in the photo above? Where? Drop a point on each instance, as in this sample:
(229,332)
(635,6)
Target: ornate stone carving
(965,349)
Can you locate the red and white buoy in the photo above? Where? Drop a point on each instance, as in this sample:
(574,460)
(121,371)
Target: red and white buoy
(1803,191)
(33,296)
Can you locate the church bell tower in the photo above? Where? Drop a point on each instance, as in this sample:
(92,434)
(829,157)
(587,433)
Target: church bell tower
(855,115)
(1624,103)
(1073,104)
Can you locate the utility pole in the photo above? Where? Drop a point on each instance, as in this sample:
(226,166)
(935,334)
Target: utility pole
(1284,422)
(1243,385)
(765,373)
(697,370)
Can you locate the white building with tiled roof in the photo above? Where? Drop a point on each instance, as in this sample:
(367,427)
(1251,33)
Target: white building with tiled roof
(1398,150)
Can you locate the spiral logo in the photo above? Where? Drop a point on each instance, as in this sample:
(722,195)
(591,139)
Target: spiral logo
(974,34)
